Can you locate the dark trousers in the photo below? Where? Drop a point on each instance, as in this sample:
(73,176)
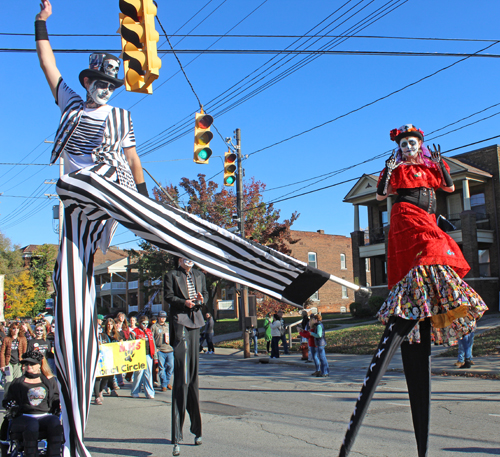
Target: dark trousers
(285,343)
(102,383)
(30,427)
(275,346)
(210,341)
(185,394)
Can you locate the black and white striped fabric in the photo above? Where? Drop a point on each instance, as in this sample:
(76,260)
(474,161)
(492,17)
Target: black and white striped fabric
(93,199)
(190,286)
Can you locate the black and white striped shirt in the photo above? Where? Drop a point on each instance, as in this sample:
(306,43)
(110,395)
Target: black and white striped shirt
(88,136)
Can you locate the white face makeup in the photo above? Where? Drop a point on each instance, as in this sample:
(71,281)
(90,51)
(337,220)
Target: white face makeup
(101,91)
(410,146)
(187,263)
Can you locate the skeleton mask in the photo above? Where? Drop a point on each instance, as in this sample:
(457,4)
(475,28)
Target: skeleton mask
(111,67)
(409,146)
(101,91)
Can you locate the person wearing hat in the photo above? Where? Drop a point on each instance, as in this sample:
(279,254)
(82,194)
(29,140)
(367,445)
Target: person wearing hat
(186,293)
(428,299)
(33,399)
(165,352)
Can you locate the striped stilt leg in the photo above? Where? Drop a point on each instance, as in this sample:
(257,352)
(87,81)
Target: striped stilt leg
(395,331)
(75,314)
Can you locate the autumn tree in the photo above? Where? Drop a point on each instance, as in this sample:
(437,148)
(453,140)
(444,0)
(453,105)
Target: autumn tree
(262,224)
(20,293)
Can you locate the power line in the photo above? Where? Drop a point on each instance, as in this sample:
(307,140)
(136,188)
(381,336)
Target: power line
(369,104)
(176,35)
(220,100)
(277,52)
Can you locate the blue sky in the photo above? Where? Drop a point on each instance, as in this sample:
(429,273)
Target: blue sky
(326,88)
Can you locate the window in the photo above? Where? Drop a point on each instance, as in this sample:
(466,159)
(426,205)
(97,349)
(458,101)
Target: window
(311,259)
(384,219)
(313,262)
(484,263)
(478,205)
(344,292)
(343,262)
(367,264)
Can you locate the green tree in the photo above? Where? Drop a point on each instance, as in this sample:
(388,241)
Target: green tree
(11,260)
(20,293)
(41,269)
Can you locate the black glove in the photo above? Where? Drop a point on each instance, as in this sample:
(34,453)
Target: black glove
(142,189)
(438,160)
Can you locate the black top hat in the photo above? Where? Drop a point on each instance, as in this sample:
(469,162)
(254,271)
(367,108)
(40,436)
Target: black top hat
(103,67)
(32,357)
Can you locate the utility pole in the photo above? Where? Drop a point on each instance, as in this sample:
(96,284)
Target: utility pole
(241,216)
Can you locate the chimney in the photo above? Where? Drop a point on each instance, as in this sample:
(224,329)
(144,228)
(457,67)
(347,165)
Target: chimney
(321,232)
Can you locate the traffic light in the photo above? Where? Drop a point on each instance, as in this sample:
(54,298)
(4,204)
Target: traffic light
(141,63)
(202,137)
(229,168)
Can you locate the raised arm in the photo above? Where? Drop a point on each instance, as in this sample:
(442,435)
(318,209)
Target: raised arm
(43,48)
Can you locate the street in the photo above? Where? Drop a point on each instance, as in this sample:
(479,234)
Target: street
(255,409)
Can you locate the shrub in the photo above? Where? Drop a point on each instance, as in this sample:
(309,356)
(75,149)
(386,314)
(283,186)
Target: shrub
(375,302)
(354,308)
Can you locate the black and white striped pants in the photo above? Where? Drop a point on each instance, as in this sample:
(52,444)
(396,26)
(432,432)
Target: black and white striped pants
(93,201)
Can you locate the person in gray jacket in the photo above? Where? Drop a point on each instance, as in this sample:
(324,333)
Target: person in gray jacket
(165,352)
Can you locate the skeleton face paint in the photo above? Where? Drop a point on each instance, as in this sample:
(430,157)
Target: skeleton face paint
(187,263)
(409,146)
(101,91)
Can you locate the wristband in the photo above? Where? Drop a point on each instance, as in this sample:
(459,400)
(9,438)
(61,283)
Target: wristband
(41,31)
(142,189)
(381,185)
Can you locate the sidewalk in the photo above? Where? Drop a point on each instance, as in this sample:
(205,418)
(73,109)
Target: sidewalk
(483,366)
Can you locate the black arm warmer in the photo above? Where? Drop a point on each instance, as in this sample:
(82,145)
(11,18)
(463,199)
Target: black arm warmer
(446,176)
(142,189)
(41,31)
(381,186)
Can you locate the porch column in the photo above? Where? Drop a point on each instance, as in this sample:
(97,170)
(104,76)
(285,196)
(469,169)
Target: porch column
(356,218)
(466,192)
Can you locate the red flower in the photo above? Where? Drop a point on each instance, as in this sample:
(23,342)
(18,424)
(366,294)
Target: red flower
(421,132)
(394,133)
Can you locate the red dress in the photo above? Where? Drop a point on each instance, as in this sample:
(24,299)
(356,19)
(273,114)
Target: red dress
(414,237)
(425,266)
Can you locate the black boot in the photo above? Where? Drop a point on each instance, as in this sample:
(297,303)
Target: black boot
(466,364)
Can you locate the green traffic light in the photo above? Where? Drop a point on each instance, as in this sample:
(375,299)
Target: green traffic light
(230,180)
(203,155)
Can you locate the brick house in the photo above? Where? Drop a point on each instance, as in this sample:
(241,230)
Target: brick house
(473,208)
(330,253)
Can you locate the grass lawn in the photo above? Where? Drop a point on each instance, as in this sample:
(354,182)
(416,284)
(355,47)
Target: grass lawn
(224,326)
(485,344)
(362,339)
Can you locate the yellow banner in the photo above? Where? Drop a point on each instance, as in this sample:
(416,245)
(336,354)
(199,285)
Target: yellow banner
(121,357)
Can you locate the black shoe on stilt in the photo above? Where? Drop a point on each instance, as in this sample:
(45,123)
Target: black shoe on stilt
(467,364)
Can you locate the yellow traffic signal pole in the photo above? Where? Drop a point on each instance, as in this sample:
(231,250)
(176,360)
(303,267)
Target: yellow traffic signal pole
(241,216)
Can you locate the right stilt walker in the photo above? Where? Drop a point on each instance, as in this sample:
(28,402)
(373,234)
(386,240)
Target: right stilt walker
(428,299)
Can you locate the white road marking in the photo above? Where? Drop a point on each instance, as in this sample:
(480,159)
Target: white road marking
(323,395)
(496,415)
(397,404)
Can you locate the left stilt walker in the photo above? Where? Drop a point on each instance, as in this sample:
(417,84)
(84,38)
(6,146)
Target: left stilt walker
(104,185)
(429,300)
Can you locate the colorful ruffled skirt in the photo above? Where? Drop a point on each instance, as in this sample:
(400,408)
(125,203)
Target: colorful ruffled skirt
(439,293)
